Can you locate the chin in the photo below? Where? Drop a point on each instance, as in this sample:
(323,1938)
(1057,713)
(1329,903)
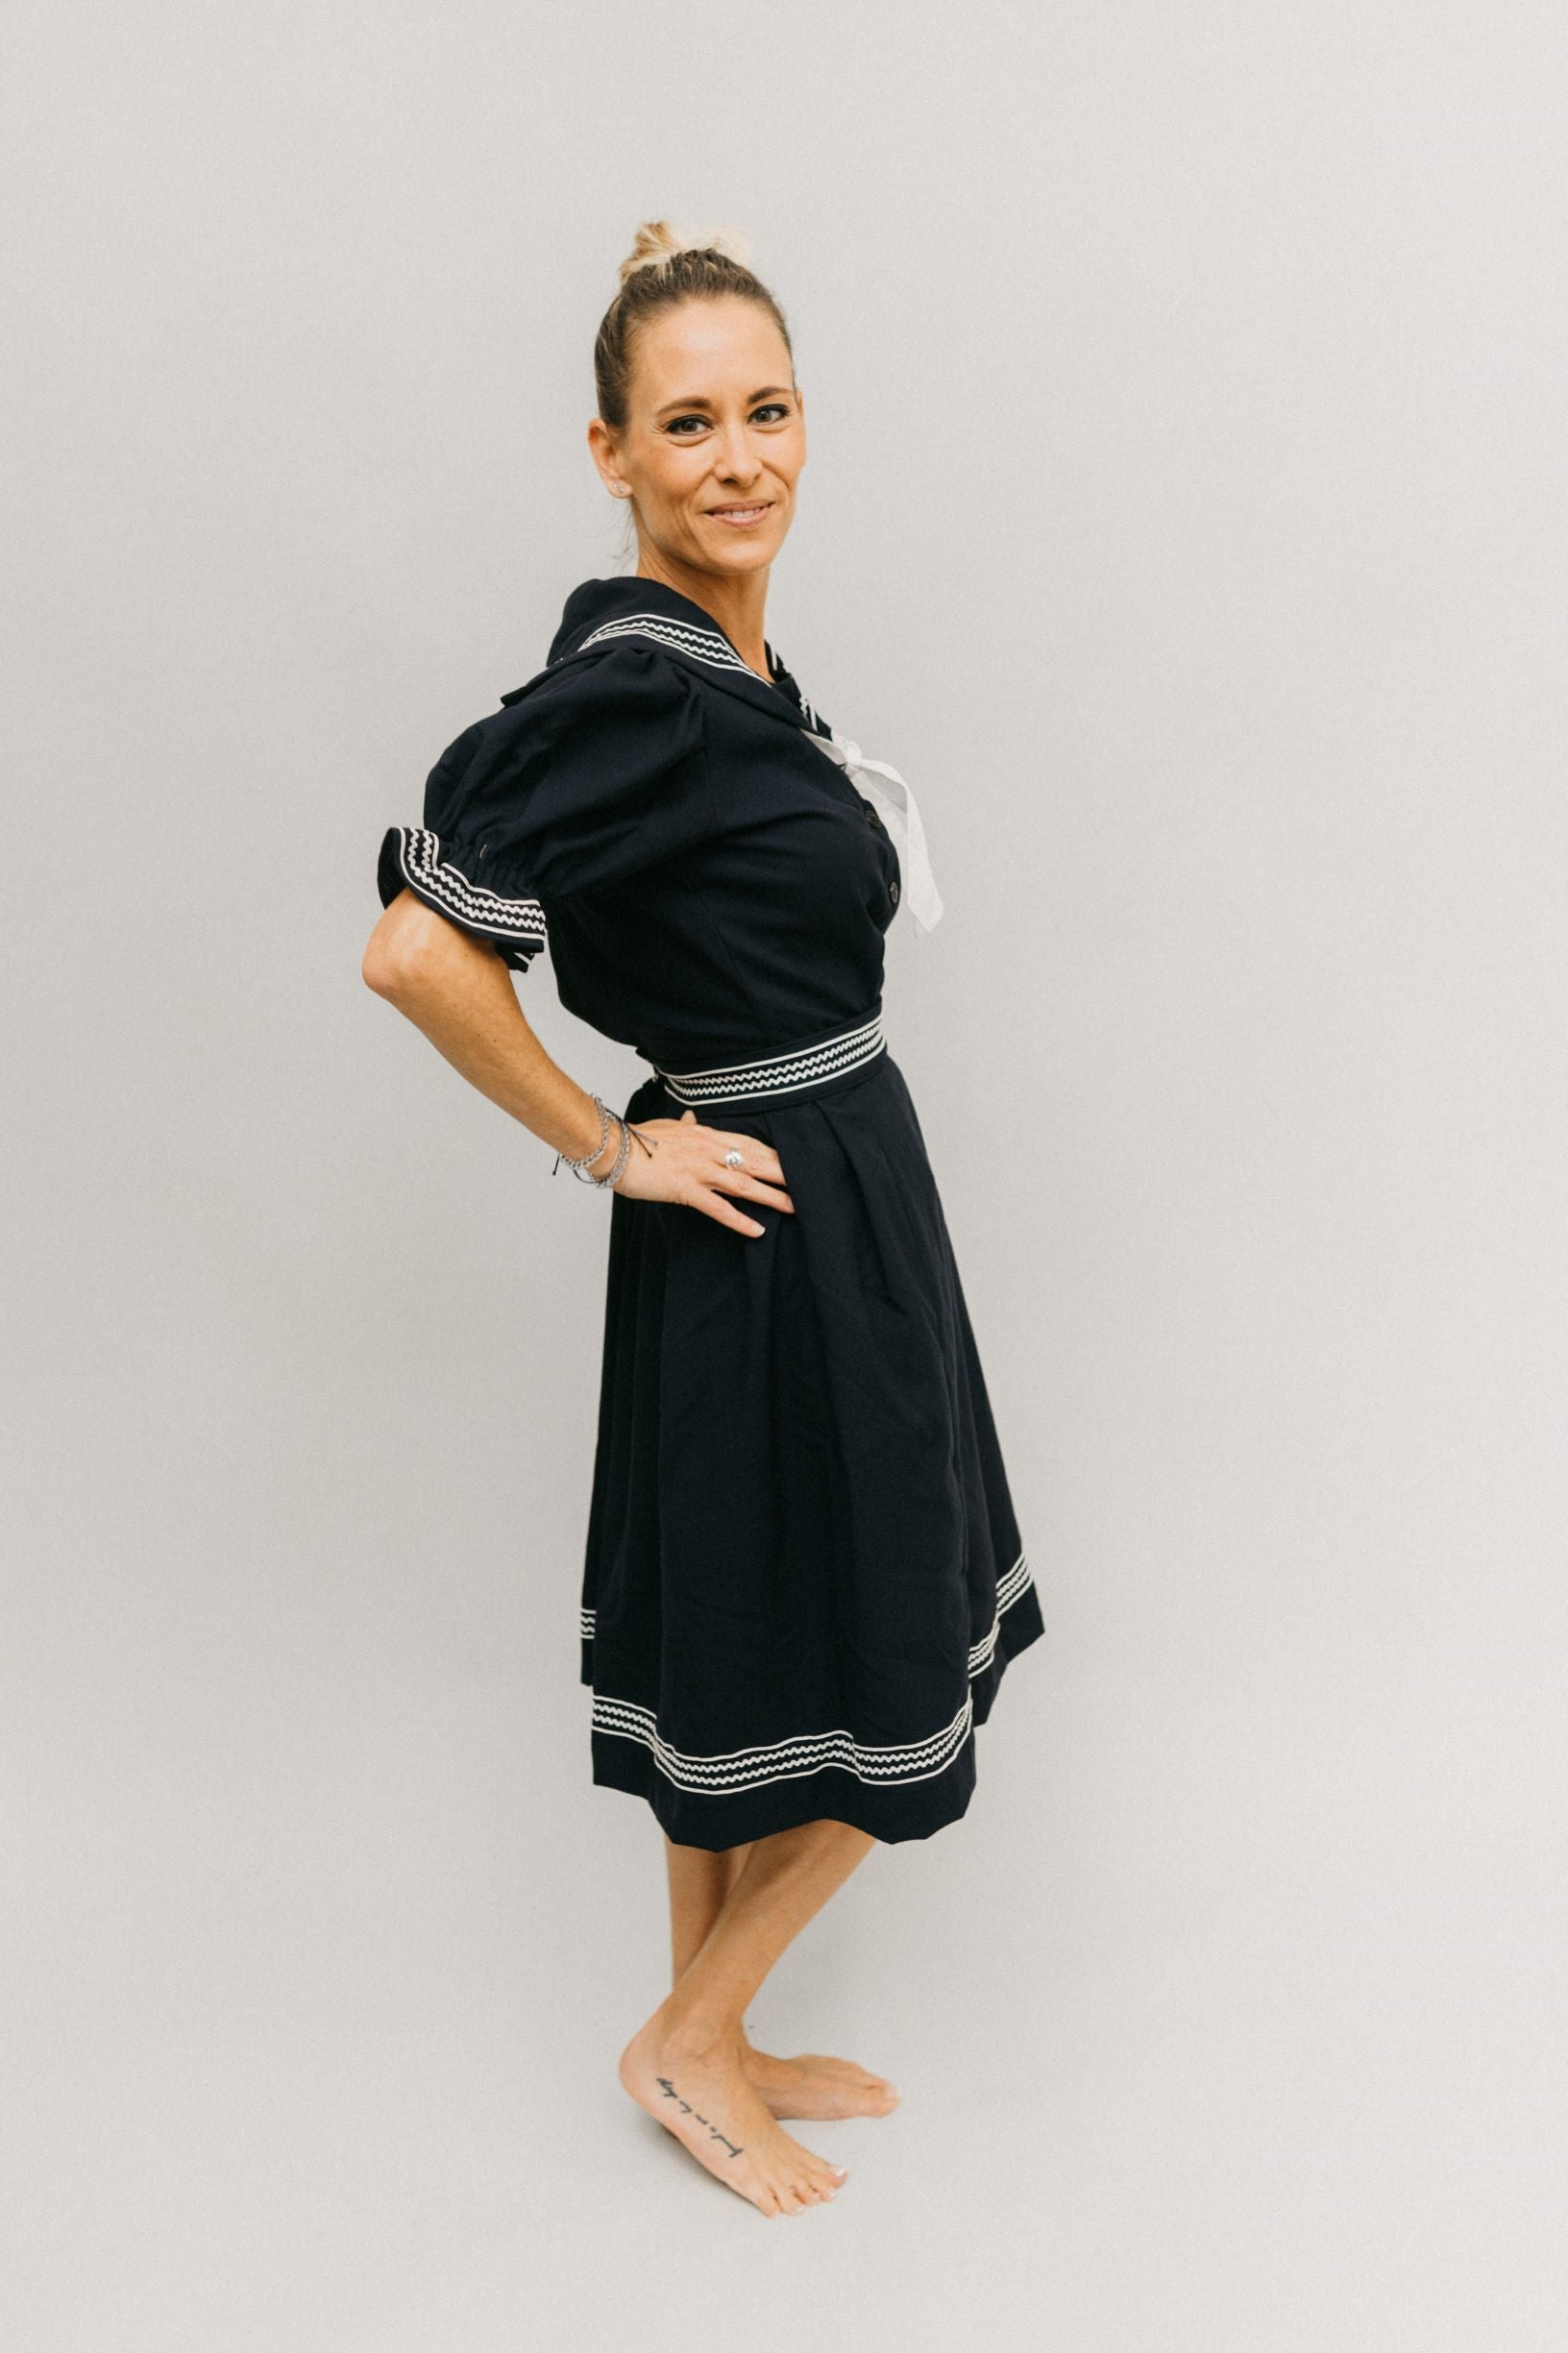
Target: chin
(746,555)
(752,559)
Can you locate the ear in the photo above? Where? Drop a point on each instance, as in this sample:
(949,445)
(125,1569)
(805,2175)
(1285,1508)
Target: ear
(602,448)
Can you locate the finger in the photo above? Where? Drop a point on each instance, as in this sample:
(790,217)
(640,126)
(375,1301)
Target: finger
(684,1117)
(760,1157)
(752,1189)
(714,1204)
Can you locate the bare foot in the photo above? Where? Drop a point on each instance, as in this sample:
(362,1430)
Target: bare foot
(703,2097)
(815,2085)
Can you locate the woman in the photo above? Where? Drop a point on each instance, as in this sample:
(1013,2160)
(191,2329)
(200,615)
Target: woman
(803,1576)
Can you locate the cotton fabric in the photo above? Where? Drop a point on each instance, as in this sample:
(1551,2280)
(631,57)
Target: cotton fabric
(802,1577)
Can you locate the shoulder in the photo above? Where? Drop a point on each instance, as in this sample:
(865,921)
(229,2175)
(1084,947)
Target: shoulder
(580,723)
(604,736)
(620,689)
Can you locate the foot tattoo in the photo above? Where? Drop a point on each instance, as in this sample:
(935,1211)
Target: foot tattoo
(669,2093)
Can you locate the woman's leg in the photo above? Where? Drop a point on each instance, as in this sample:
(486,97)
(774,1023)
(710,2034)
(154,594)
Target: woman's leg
(699,1880)
(684,2066)
(811,2084)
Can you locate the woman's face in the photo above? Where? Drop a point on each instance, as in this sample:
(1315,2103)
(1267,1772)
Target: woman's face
(714,439)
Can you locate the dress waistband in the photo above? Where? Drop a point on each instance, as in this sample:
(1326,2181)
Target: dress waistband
(803,1069)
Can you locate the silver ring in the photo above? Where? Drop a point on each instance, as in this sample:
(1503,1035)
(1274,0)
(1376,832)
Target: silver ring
(734,1158)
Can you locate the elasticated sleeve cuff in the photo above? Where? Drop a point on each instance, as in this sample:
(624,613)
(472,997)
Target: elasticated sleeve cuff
(454,878)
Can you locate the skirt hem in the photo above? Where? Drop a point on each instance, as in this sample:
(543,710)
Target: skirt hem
(890,1813)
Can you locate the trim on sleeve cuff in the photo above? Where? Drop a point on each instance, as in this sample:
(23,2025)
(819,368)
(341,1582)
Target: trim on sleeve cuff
(412,855)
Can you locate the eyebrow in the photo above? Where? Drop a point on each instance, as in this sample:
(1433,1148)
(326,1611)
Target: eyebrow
(700,400)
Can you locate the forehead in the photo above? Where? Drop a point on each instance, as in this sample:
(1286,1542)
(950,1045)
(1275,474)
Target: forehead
(713,345)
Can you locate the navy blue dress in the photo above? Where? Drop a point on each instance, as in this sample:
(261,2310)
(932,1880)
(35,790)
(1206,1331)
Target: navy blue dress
(804,1577)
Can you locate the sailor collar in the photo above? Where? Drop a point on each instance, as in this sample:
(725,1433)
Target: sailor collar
(599,612)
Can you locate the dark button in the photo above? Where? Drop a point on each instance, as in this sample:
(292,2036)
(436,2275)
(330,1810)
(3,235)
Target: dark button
(871,813)
(892,892)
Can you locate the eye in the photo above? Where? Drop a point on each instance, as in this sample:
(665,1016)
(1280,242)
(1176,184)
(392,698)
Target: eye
(768,413)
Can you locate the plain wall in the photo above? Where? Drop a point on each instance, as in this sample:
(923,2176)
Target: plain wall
(1185,517)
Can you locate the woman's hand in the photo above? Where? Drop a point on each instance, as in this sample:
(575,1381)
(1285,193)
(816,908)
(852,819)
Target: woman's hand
(677,1160)
(457,991)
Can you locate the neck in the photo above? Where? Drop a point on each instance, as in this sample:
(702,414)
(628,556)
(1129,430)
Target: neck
(736,601)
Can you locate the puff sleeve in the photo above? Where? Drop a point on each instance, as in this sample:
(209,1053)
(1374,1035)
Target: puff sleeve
(584,776)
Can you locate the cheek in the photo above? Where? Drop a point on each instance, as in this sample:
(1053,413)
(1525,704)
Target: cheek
(677,474)
(663,471)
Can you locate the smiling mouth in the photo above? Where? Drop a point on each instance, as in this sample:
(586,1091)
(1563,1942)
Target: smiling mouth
(736,515)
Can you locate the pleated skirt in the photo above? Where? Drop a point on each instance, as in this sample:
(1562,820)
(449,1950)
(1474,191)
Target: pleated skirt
(803,1576)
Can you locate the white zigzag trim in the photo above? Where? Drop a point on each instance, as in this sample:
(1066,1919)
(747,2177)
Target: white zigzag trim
(1009,1587)
(682,636)
(521,921)
(782,1074)
(808,1753)
(787,1760)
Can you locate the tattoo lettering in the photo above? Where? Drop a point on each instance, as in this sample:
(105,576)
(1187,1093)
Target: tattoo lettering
(669,2093)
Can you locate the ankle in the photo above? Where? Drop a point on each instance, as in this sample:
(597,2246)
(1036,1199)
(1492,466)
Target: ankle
(692,2034)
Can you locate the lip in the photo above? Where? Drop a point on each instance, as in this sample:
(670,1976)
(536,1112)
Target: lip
(741,515)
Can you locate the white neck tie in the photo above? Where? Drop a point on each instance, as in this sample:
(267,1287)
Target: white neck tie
(872,778)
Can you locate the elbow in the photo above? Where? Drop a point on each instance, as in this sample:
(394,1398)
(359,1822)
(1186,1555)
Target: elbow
(397,954)
(382,969)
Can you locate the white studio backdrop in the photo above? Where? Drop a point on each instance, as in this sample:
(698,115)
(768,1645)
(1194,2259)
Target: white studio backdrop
(1185,518)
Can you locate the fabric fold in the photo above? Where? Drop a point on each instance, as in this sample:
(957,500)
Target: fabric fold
(887,790)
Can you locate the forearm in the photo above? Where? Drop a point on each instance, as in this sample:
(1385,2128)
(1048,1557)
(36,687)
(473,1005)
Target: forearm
(460,995)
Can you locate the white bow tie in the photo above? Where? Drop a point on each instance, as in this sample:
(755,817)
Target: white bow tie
(899,815)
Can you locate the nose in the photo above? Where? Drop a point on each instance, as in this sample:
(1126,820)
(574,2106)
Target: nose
(735,458)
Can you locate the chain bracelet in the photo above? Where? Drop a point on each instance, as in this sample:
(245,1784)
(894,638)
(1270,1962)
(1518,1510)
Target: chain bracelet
(612,1175)
(605,1117)
(584,1161)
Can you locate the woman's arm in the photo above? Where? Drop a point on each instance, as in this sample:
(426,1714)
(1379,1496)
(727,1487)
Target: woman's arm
(459,993)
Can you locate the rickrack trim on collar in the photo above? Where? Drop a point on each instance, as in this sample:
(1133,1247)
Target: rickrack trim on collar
(683,636)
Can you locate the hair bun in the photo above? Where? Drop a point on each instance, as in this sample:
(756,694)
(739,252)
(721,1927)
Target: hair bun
(657,243)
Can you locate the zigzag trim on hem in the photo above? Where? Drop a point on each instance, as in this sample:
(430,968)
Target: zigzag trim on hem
(808,1753)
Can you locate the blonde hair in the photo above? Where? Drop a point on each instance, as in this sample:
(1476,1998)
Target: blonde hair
(668,265)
